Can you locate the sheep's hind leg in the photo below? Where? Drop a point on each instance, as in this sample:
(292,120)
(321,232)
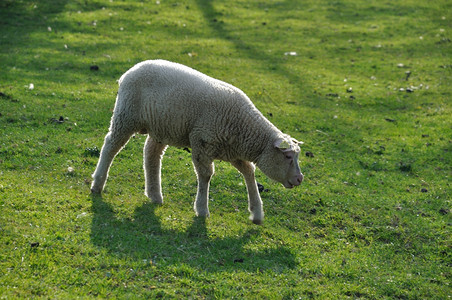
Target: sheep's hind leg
(153,152)
(204,170)
(114,141)
(254,199)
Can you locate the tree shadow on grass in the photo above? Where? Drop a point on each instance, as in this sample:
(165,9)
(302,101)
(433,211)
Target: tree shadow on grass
(245,47)
(143,237)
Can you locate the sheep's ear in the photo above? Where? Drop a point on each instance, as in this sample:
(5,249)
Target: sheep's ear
(282,144)
(297,142)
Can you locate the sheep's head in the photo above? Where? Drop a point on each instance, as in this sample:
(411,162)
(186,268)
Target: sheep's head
(279,161)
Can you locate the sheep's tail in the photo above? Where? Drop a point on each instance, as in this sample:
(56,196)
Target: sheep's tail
(121,79)
(132,70)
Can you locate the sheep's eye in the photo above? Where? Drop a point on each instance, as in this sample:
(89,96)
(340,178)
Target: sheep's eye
(289,156)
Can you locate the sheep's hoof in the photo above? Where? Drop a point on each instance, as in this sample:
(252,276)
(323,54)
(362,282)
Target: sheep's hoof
(202,218)
(156,199)
(95,191)
(202,214)
(257,218)
(257,221)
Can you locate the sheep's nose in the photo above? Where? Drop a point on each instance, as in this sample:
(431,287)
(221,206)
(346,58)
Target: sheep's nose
(300,178)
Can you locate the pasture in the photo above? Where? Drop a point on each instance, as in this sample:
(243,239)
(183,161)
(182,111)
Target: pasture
(365,84)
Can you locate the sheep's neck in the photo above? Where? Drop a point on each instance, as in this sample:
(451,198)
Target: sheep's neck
(254,139)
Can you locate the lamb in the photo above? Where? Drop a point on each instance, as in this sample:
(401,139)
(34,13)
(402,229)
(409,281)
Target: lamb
(178,106)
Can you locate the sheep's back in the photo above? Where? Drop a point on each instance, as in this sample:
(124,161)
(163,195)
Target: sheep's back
(172,100)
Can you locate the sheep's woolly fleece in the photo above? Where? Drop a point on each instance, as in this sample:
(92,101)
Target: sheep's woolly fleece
(178,106)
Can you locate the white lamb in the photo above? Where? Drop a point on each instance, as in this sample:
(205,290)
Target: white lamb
(176,105)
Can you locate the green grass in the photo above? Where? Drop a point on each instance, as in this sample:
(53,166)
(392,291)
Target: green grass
(372,219)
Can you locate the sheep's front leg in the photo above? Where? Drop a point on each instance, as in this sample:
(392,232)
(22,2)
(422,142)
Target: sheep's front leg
(152,154)
(114,141)
(204,170)
(254,199)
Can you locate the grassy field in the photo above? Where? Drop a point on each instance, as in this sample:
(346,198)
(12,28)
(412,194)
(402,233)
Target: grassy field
(365,84)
